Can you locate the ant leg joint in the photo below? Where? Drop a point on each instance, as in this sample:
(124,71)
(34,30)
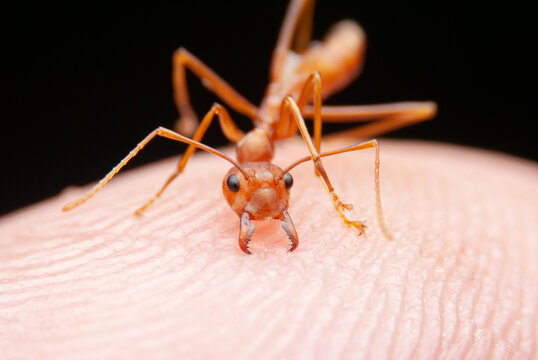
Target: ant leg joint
(216,106)
(181,51)
(339,204)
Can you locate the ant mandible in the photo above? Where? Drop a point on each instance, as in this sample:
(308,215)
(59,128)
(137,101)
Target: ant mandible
(255,188)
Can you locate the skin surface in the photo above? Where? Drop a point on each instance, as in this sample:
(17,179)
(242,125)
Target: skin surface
(459,280)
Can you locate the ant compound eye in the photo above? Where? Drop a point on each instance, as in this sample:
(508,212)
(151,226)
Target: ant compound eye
(288,181)
(233,183)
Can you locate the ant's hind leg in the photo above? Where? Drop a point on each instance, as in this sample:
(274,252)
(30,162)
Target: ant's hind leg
(295,33)
(386,117)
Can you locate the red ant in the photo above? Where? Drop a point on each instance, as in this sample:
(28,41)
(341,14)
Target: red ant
(255,188)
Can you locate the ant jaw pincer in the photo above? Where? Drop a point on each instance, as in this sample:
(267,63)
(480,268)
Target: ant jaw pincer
(263,195)
(245,232)
(289,228)
(246,229)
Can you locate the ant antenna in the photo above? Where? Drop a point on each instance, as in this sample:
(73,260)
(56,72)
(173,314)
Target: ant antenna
(157,132)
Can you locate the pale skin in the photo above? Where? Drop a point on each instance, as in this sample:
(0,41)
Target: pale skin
(457,281)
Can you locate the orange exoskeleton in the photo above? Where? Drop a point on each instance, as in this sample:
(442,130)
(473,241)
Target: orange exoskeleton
(255,188)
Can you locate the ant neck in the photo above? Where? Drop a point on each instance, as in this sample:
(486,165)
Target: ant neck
(255,146)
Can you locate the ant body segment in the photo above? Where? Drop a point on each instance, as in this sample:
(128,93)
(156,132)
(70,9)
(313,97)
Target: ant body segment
(255,188)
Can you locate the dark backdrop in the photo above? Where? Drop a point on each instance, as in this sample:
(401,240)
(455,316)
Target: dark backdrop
(83,83)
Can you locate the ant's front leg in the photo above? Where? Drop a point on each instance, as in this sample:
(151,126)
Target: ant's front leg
(386,117)
(289,107)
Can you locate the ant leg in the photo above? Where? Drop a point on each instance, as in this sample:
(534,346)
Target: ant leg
(388,117)
(361,146)
(294,27)
(157,132)
(229,129)
(289,106)
(313,85)
(303,32)
(286,128)
(188,120)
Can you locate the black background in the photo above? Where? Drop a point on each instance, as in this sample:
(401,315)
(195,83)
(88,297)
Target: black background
(83,83)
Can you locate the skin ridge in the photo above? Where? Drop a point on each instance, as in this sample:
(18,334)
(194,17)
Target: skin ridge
(99,282)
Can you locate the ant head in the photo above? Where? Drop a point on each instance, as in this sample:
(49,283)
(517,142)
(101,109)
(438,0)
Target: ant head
(264,195)
(255,146)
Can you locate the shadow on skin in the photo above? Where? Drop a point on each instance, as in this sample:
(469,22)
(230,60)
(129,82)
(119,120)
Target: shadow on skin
(458,280)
